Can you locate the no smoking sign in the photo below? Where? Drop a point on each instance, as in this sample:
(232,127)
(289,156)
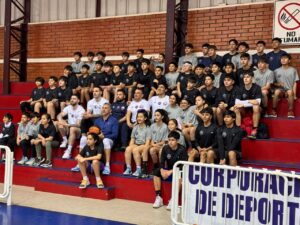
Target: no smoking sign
(287,21)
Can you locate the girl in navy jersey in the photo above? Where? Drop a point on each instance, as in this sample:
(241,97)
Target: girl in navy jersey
(91,153)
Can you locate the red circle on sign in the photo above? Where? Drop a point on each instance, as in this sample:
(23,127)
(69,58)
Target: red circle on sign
(289,13)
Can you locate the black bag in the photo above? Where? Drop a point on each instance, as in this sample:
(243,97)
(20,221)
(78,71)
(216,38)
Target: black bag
(262,131)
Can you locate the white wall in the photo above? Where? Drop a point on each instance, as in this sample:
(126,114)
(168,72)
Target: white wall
(52,10)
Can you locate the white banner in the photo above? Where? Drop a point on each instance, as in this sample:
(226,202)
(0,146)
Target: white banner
(219,195)
(287,21)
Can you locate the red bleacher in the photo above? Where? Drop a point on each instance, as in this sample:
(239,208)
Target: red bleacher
(279,152)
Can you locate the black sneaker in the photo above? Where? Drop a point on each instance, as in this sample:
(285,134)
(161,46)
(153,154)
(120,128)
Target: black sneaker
(46,164)
(38,161)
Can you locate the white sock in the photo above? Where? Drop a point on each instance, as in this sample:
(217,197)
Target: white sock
(128,166)
(107,164)
(138,167)
(82,142)
(69,149)
(85,178)
(65,138)
(97,178)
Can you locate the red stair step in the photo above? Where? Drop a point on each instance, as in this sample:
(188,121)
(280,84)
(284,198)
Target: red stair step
(282,108)
(16,112)
(71,188)
(283,127)
(24,88)
(271,165)
(12,101)
(273,150)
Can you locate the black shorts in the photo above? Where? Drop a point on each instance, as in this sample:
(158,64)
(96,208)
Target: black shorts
(238,155)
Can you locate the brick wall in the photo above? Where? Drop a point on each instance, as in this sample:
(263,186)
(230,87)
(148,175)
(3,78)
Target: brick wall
(246,23)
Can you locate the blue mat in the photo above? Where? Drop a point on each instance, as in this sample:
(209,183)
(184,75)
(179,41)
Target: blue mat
(19,215)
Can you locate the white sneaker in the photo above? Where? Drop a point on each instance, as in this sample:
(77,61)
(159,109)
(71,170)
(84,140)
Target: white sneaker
(64,144)
(158,202)
(30,162)
(169,206)
(67,155)
(23,160)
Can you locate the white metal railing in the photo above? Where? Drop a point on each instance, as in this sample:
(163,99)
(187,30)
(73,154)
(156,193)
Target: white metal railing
(215,194)
(8,175)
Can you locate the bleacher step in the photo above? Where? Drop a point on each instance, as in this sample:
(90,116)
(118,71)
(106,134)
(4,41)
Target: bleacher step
(283,128)
(272,150)
(71,188)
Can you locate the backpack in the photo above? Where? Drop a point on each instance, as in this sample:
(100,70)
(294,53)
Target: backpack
(262,131)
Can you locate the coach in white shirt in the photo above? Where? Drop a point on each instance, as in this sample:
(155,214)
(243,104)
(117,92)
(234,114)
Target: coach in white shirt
(137,103)
(160,101)
(75,112)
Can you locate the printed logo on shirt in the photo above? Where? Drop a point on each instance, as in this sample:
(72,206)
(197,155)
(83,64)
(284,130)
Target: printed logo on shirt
(34,92)
(87,154)
(59,94)
(47,92)
(204,96)
(256,79)
(244,96)
(201,132)
(224,95)
(271,58)
(181,78)
(159,103)
(169,156)
(224,134)
(127,80)
(123,108)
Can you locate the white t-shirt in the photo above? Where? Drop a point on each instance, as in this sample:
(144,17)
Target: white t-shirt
(158,103)
(135,106)
(95,107)
(74,115)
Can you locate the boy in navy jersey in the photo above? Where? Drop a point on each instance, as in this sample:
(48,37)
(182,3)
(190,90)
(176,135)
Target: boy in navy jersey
(116,80)
(139,59)
(251,93)
(7,135)
(101,56)
(226,97)
(145,77)
(246,67)
(125,61)
(183,77)
(233,43)
(84,84)
(274,57)
(209,92)
(229,141)
(191,92)
(72,80)
(206,138)
(130,80)
(200,76)
(98,77)
(243,47)
(119,110)
(156,80)
(214,58)
(205,60)
(260,47)
(171,153)
(50,101)
(63,92)
(35,103)
(108,74)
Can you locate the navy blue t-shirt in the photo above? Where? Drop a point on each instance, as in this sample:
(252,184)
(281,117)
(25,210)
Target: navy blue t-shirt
(274,59)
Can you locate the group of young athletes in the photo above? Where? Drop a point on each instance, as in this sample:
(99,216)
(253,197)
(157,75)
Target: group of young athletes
(191,110)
